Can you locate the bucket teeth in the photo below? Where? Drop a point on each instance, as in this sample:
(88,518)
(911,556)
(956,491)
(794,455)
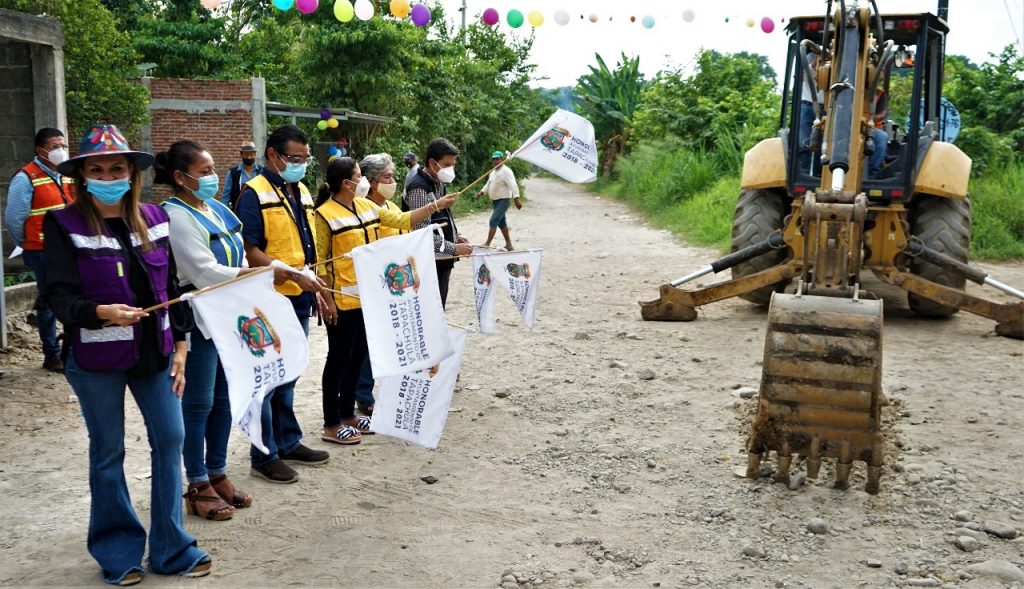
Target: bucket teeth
(821,387)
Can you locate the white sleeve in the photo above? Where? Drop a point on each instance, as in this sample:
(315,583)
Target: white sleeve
(190,243)
(513,185)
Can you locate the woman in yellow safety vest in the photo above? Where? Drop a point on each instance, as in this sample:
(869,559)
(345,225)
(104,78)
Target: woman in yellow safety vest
(344,220)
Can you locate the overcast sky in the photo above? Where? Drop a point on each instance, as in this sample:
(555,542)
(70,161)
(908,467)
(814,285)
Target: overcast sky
(562,53)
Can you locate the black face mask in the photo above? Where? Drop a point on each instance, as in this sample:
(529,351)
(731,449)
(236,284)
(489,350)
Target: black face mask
(248,161)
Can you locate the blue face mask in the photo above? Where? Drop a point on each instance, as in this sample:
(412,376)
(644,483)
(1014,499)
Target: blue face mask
(293,172)
(208,186)
(108,192)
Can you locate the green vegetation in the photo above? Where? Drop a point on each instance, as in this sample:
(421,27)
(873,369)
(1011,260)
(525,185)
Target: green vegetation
(689,134)
(997,199)
(433,81)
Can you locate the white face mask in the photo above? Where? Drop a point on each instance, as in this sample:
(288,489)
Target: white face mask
(362,187)
(387,190)
(446,175)
(57,156)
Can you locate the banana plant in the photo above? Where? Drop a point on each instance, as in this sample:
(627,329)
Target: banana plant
(608,98)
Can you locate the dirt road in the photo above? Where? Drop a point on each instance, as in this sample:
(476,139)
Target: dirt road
(585,474)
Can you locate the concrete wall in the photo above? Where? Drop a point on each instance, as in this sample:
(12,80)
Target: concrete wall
(17,115)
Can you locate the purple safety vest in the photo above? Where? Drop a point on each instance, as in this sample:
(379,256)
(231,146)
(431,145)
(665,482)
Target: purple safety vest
(102,265)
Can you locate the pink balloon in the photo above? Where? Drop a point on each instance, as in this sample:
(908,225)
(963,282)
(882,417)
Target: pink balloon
(688,15)
(307,6)
(767,25)
(420,15)
(491,17)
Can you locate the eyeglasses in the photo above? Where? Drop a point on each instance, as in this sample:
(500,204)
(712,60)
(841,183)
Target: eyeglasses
(298,159)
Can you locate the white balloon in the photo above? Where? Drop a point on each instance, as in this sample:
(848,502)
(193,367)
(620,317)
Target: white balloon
(364,9)
(688,15)
(562,17)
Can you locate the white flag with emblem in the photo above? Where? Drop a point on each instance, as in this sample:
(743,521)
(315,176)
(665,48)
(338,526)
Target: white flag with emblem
(414,407)
(405,325)
(563,145)
(519,274)
(483,290)
(259,339)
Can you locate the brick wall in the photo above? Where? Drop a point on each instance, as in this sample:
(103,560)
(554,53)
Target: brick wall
(17,115)
(217,114)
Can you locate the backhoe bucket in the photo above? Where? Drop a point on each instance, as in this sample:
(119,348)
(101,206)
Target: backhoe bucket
(820,387)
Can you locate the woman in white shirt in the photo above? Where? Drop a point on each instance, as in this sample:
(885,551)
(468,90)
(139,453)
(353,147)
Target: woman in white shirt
(206,240)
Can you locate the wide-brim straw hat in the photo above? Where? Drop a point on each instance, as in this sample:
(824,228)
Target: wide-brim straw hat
(105,140)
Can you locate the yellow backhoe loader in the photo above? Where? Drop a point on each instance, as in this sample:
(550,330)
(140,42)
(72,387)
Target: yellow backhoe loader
(842,190)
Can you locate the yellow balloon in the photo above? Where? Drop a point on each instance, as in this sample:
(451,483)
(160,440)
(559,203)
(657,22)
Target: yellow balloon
(750,22)
(400,8)
(332,123)
(343,10)
(536,18)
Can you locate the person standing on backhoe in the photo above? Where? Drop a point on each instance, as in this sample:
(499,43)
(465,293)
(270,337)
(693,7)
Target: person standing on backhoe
(501,186)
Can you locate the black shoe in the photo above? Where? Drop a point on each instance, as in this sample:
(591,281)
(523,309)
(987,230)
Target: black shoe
(275,471)
(53,364)
(304,455)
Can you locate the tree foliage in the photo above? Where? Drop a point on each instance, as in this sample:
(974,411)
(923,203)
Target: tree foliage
(476,94)
(608,99)
(725,96)
(98,64)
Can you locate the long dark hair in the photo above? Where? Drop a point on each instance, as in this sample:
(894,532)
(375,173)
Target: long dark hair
(338,170)
(177,158)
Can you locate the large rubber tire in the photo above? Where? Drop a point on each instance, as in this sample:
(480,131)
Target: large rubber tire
(943,224)
(759,213)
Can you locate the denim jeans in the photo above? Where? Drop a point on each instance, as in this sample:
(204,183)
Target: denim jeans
(498,210)
(116,538)
(45,320)
(207,411)
(364,387)
(805,154)
(281,431)
(877,157)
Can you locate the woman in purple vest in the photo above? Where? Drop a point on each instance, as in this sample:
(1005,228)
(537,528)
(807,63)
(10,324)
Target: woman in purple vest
(109,259)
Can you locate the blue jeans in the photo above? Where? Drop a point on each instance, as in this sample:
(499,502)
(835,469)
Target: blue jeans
(364,387)
(45,320)
(207,411)
(498,210)
(806,155)
(281,431)
(116,538)
(877,157)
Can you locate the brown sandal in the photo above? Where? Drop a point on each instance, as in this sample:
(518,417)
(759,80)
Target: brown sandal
(212,508)
(228,492)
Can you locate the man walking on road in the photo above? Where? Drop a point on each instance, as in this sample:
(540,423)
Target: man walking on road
(501,186)
(34,190)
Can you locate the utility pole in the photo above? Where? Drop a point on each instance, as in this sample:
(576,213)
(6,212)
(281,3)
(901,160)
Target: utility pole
(463,11)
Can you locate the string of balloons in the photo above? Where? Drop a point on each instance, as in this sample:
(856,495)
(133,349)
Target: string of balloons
(419,14)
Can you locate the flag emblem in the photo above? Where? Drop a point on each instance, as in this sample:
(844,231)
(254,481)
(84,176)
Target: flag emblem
(257,334)
(555,138)
(483,276)
(399,277)
(518,270)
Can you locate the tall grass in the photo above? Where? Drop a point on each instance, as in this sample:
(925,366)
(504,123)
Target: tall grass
(997,201)
(693,193)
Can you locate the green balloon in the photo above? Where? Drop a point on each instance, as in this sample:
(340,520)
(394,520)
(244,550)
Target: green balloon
(515,18)
(322,125)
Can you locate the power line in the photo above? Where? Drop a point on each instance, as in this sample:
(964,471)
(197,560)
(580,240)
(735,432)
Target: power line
(1013,25)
